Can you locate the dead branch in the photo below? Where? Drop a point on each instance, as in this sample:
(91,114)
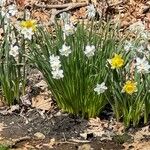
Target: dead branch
(68,5)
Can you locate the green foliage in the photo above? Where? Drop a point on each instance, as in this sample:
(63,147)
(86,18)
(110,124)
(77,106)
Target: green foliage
(11,68)
(130,107)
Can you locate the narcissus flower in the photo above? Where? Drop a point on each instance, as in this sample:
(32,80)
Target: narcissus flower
(128,46)
(65,17)
(116,62)
(137,27)
(142,65)
(91,11)
(27,28)
(89,50)
(100,88)
(27,33)
(2,2)
(58,74)
(14,51)
(55,62)
(29,24)
(130,87)
(65,50)
(69,29)
(12,10)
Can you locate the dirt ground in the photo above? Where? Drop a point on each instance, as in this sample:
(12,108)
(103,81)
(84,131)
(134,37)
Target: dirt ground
(57,132)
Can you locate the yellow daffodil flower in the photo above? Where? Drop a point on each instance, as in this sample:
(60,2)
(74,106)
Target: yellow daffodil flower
(29,24)
(129,87)
(116,62)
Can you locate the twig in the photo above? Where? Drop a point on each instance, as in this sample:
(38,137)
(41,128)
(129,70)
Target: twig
(21,139)
(78,141)
(68,5)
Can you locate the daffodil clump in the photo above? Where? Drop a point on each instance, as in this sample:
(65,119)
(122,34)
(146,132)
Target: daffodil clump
(85,71)
(12,79)
(129,84)
(74,67)
(13,48)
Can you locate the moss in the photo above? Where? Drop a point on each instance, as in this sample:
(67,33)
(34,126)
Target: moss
(122,138)
(3,147)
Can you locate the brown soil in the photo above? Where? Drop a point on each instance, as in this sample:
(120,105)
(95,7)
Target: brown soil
(61,127)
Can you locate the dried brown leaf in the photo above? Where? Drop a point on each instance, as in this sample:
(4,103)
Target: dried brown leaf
(42,102)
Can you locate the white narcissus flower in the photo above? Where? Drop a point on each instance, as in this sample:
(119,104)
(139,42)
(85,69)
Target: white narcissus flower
(55,62)
(137,27)
(57,74)
(14,51)
(65,17)
(89,50)
(142,65)
(140,49)
(100,88)
(128,46)
(12,10)
(65,50)
(55,65)
(91,11)
(69,29)
(27,33)
(2,2)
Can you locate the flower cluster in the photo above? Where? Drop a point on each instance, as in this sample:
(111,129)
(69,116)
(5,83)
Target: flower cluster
(128,46)
(55,65)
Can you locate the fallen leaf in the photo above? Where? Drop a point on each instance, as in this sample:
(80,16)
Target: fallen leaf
(81,13)
(42,102)
(41,16)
